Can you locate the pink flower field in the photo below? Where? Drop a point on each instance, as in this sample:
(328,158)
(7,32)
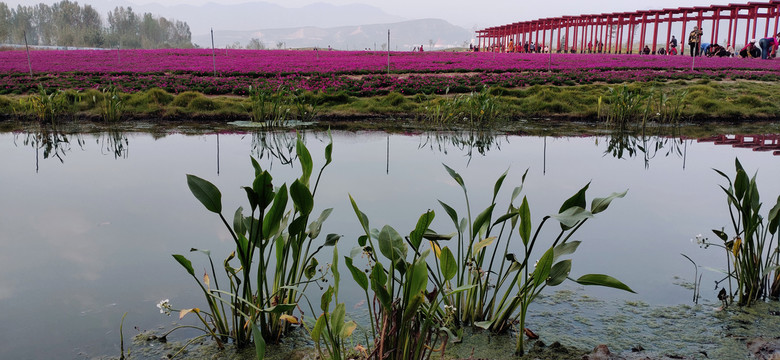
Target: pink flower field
(356,72)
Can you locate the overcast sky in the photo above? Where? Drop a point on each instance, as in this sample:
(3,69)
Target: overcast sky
(470,14)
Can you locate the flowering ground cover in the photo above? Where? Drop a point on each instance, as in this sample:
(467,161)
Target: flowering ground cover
(358,73)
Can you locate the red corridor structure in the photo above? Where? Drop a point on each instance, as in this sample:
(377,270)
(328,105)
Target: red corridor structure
(619,32)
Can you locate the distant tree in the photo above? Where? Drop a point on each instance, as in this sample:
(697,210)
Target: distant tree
(255,44)
(384,46)
(280,45)
(5,23)
(430,44)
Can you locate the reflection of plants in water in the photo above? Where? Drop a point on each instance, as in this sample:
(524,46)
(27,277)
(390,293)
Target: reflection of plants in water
(624,144)
(114,141)
(278,145)
(54,142)
(481,141)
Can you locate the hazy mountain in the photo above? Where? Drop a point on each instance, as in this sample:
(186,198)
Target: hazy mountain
(403,36)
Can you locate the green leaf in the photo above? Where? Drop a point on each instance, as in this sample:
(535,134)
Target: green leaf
(571,216)
(419,276)
(332,239)
(334,268)
(433,236)
(451,212)
(483,243)
(525,221)
(389,240)
(256,166)
(448,265)
(251,195)
(415,238)
(337,318)
(301,197)
(305,159)
(280,309)
(600,204)
(378,279)
(456,177)
(577,200)
(505,217)
(360,215)
(184,262)
(482,219)
(360,277)
(311,269)
(206,193)
(498,184)
(326,298)
(543,268)
(741,184)
(238,222)
(349,328)
(273,218)
(264,188)
(316,331)
(460,289)
(774,217)
(720,234)
(411,308)
(298,225)
(259,342)
(316,226)
(329,150)
(603,280)
(566,249)
(559,272)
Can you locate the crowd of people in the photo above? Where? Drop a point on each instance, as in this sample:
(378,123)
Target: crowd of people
(765,49)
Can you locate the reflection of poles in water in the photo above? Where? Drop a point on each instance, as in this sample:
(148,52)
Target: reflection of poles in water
(275,145)
(685,153)
(217,153)
(466,141)
(387,169)
(544,157)
(36,157)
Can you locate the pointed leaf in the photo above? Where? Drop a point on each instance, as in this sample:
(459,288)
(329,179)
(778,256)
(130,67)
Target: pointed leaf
(525,221)
(451,212)
(600,204)
(264,188)
(389,240)
(349,328)
(603,280)
(483,219)
(774,217)
(448,265)
(273,218)
(301,196)
(570,217)
(361,216)
(415,238)
(185,263)
(411,308)
(360,277)
(577,200)
(259,342)
(543,268)
(206,193)
(316,331)
(289,318)
(433,236)
(329,150)
(256,166)
(332,239)
(498,184)
(484,324)
(305,159)
(460,289)
(337,318)
(566,249)
(559,272)
(239,227)
(456,177)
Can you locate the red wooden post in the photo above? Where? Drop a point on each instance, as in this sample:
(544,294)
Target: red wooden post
(669,31)
(655,30)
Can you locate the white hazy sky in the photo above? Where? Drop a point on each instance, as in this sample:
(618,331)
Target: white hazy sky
(470,14)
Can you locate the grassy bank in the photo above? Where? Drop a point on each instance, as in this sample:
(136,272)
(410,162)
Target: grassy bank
(699,100)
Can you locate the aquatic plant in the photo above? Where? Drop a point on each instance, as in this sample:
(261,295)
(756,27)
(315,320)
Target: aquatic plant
(111,104)
(751,248)
(623,105)
(273,246)
(406,318)
(45,105)
(477,108)
(499,285)
(269,106)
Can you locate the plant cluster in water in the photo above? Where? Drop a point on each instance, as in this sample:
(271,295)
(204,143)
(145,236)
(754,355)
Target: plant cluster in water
(421,293)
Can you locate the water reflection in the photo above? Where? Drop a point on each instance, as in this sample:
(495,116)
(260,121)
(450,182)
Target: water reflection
(757,142)
(114,141)
(279,145)
(623,144)
(480,140)
(50,140)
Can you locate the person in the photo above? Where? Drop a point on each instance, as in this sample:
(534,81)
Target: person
(694,39)
(661,51)
(673,51)
(705,49)
(750,50)
(768,46)
(590,47)
(646,50)
(421,48)
(510,48)
(673,44)
(730,50)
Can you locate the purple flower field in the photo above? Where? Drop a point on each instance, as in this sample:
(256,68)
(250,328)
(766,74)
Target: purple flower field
(356,72)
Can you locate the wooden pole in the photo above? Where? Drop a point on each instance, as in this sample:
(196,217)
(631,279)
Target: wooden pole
(26,46)
(388,51)
(213,53)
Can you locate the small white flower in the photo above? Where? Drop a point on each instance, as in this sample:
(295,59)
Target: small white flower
(165,307)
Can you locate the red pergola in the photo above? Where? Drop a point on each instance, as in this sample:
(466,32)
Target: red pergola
(620,32)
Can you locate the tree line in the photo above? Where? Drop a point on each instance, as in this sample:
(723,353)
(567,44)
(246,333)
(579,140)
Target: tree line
(67,23)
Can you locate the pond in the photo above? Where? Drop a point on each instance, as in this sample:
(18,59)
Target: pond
(89,220)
